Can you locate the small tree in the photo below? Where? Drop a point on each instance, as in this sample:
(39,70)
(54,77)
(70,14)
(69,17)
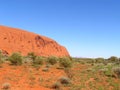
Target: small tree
(16,59)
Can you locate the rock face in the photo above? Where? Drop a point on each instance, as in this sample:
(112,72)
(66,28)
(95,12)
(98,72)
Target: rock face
(16,40)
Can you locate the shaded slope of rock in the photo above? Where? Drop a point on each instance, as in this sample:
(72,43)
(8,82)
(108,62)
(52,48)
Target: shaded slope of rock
(16,40)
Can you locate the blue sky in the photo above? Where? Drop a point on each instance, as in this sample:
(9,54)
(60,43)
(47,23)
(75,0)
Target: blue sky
(87,28)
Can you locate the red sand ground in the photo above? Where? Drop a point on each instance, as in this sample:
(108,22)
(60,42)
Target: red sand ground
(29,78)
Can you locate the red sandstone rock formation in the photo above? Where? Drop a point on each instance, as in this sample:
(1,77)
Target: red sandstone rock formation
(16,40)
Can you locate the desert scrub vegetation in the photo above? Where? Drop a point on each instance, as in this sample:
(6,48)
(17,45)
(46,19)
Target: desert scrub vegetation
(99,60)
(69,72)
(32,55)
(64,80)
(109,70)
(113,59)
(1,57)
(56,86)
(77,74)
(15,59)
(38,60)
(65,62)
(116,71)
(52,60)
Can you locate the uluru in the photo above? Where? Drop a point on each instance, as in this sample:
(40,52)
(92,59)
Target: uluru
(17,40)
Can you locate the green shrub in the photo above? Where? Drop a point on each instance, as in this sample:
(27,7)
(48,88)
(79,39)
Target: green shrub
(38,60)
(16,59)
(52,60)
(65,62)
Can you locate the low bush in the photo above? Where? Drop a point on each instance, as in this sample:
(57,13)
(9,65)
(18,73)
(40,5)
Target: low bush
(16,59)
(52,60)
(65,62)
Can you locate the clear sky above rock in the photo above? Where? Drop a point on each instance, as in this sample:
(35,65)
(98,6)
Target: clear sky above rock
(87,28)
